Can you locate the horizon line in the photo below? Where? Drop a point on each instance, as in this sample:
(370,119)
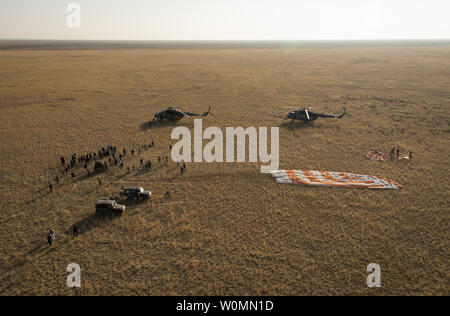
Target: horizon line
(229,40)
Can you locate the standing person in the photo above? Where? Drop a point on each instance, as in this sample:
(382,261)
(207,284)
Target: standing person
(51,236)
(132,152)
(142,162)
(57,179)
(63,160)
(392,153)
(398,153)
(184,166)
(50,187)
(76,230)
(181,170)
(159,159)
(410,155)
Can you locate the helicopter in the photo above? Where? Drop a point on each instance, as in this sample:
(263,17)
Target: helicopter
(173,115)
(306,115)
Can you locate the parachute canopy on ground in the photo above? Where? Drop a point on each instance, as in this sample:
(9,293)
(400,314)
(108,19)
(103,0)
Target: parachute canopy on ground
(333,179)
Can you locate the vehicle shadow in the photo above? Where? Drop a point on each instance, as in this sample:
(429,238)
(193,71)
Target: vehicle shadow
(130,202)
(91,222)
(152,125)
(297,125)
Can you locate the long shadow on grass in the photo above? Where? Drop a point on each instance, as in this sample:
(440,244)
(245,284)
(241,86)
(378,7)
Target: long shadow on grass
(153,125)
(91,222)
(296,125)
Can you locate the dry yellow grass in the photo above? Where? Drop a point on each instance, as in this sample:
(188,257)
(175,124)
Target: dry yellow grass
(239,233)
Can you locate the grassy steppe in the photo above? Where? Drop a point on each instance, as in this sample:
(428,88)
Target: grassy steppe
(237,232)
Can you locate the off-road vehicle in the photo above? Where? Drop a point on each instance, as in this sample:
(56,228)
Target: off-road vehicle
(105,206)
(136,193)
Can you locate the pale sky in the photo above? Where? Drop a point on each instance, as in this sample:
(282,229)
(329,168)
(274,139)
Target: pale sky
(227,19)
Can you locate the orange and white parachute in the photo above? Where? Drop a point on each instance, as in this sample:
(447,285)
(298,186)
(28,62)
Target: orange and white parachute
(333,179)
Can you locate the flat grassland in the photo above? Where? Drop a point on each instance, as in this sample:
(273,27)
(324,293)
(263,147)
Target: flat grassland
(237,232)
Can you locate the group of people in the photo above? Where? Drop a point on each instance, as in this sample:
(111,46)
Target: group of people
(110,152)
(51,237)
(395,154)
(114,158)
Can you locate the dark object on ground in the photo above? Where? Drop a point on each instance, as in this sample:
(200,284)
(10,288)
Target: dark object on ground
(105,206)
(169,193)
(99,167)
(306,115)
(136,193)
(76,231)
(171,114)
